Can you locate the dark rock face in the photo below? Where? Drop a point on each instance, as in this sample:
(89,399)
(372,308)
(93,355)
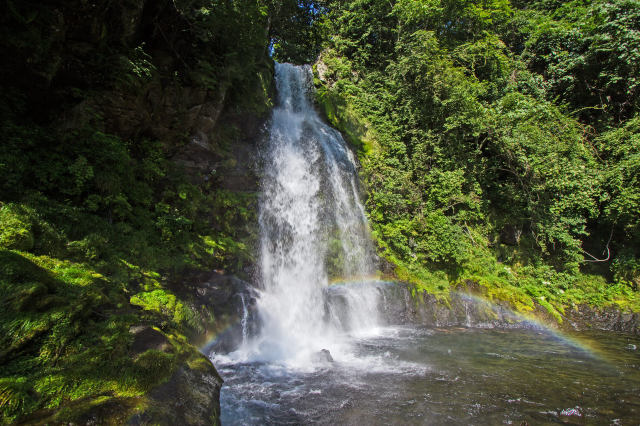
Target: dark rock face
(460,310)
(232,300)
(585,317)
(464,310)
(190,397)
(146,338)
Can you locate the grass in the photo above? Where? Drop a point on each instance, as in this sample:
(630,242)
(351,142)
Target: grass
(66,343)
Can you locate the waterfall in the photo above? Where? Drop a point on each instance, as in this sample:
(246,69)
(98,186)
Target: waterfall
(312,230)
(245,319)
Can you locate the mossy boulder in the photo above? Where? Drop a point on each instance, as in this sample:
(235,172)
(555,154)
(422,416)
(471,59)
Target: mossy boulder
(190,397)
(15,228)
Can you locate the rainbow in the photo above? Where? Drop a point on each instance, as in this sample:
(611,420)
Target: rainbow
(552,330)
(579,343)
(359,279)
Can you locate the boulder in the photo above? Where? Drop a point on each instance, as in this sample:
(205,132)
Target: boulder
(146,338)
(190,397)
(322,356)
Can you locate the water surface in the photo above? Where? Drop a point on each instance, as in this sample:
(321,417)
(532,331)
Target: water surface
(446,376)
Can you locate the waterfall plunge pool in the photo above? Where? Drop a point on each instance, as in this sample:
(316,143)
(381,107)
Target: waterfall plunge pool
(313,226)
(408,375)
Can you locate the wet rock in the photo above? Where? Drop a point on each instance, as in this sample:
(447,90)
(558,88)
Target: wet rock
(460,310)
(324,355)
(585,317)
(230,299)
(465,310)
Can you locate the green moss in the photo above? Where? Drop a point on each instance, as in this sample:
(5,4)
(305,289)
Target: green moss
(520,287)
(200,363)
(96,255)
(15,228)
(550,309)
(163,302)
(65,338)
(435,283)
(15,397)
(153,367)
(345,117)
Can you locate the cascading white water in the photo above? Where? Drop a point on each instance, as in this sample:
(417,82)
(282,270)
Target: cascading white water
(244,320)
(313,228)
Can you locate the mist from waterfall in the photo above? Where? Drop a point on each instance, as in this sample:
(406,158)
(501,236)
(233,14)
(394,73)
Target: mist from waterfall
(312,229)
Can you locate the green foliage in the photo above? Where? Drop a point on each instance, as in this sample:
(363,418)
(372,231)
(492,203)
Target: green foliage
(94,225)
(63,335)
(620,148)
(495,147)
(588,53)
(498,141)
(556,175)
(295,30)
(626,269)
(68,302)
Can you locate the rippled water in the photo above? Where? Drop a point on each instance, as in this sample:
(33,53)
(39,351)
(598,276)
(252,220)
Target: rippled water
(446,376)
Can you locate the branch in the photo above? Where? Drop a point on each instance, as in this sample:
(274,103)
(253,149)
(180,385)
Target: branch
(595,259)
(466,228)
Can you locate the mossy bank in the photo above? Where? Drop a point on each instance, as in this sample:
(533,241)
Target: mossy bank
(126,170)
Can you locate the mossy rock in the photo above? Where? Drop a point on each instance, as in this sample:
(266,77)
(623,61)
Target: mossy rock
(15,228)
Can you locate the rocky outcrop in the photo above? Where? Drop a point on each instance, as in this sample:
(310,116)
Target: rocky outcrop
(585,317)
(456,310)
(230,299)
(401,306)
(190,397)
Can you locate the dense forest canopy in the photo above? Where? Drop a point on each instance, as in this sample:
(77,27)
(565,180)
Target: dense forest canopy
(499,142)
